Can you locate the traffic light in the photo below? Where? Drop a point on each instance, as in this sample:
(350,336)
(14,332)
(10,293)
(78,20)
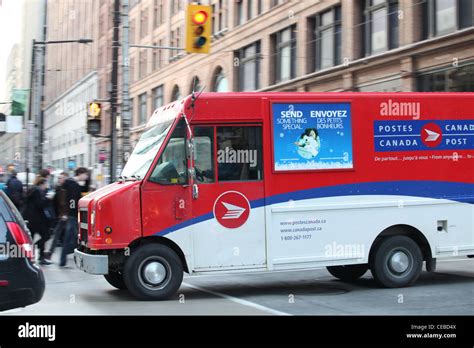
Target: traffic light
(94,119)
(198,28)
(94,109)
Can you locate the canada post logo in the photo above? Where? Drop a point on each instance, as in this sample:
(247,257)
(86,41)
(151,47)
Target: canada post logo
(423,135)
(231,209)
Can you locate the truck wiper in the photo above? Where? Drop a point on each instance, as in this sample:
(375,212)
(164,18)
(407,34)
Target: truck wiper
(133,178)
(122,178)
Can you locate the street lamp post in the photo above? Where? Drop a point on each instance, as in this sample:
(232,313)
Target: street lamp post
(40,122)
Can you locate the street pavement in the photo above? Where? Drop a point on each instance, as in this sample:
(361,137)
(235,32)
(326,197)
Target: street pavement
(449,291)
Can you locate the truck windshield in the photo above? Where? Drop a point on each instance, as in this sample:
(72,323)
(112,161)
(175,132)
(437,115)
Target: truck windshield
(146,149)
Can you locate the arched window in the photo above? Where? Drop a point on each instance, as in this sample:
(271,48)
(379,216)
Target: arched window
(176,94)
(195,85)
(220,81)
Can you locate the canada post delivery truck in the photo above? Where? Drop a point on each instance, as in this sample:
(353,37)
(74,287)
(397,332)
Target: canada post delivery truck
(254,182)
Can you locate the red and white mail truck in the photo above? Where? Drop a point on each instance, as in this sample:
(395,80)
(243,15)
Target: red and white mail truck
(256,182)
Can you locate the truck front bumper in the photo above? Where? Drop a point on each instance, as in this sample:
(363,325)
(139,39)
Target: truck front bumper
(93,264)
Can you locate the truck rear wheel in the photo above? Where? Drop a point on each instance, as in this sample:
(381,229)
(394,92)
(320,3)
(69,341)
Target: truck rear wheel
(116,280)
(397,262)
(153,272)
(348,273)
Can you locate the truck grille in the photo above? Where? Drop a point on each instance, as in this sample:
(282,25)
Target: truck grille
(83,225)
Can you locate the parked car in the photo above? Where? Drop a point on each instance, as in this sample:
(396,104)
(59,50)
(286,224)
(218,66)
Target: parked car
(21,279)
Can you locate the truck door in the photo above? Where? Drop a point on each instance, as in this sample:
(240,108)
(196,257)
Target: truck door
(229,212)
(166,195)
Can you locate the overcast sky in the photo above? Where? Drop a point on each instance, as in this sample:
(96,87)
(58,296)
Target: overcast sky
(10,33)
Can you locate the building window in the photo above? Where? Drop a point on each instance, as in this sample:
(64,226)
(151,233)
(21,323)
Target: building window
(158,97)
(446,16)
(240,12)
(327,38)
(249,9)
(179,43)
(156,59)
(220,81)
(259,7)
(381,25)
(218,17)
(132,69)
(157,55)
(451,79)
(157,13)
(132,30)
(175,42)
(249,67)
(175,94)
(285,54)
(176,6)
(222,16)
(466,13)
(274,3)
(132,100)
(142,68)
(143,112)
(215,27)
(144,22)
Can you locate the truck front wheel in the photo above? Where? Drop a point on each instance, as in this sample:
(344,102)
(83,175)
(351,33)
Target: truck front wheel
(116,280)
(348,273)
(153,272)
(396,262)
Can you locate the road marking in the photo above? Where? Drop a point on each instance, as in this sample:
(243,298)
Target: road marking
(236,300)
(13,310)
(453,260)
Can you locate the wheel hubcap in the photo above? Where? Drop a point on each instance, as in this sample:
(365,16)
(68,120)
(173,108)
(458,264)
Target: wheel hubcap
(154,272)
(399,262)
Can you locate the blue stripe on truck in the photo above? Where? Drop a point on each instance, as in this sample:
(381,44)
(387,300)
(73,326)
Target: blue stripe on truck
(454,191)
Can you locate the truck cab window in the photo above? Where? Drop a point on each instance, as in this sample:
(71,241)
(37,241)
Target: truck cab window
(204,154)
(171,168)
(239,153)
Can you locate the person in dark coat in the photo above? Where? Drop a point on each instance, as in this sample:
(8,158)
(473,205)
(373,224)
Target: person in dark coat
(33,211)
(74,192)
(14,190)
(61,208)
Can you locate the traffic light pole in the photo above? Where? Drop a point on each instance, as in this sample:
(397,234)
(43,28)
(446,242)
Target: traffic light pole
(114,91)
(126,117)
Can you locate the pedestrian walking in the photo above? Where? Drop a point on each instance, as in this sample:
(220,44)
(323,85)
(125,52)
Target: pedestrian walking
(74,192)
(14,190)
(61,208)
(34,212)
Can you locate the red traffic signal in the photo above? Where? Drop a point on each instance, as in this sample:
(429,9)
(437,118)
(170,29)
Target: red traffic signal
(200,17)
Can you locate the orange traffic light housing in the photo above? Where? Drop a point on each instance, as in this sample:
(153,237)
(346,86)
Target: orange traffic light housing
(198,28)
(94,109)
(94,119)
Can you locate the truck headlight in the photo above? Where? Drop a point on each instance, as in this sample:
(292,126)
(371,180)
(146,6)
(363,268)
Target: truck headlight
(92,218)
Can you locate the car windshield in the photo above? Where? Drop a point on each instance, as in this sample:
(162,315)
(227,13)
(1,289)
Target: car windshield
(146,149)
